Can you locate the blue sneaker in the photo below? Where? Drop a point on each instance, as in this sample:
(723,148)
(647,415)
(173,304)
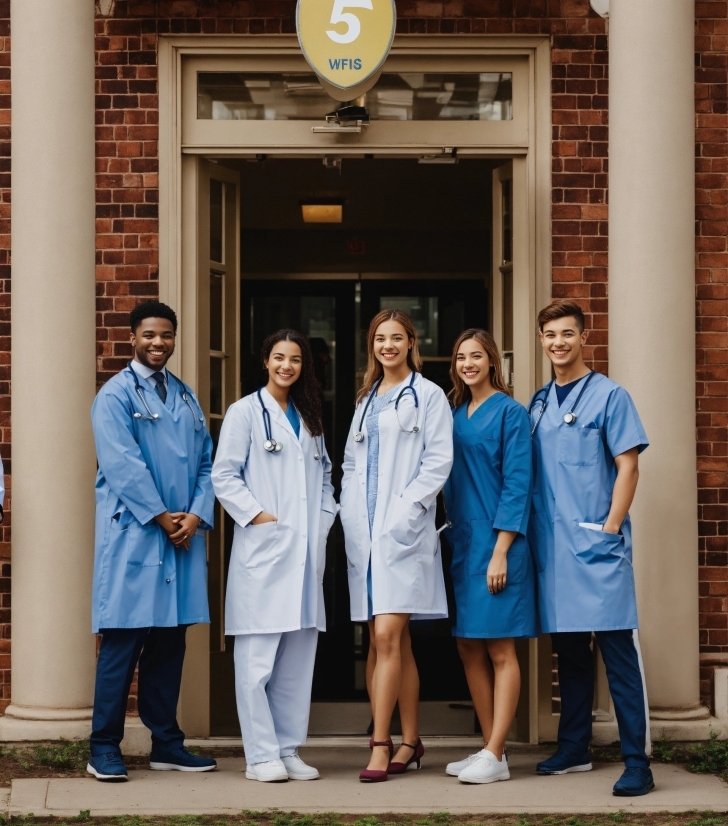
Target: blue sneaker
(564,762)
(108,767)
(180,760)
(635,781)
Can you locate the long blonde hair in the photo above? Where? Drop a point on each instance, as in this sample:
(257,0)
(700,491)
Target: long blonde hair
(460,392)
(374,367)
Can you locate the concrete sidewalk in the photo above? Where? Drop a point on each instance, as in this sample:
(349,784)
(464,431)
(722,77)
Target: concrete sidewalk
(430,790)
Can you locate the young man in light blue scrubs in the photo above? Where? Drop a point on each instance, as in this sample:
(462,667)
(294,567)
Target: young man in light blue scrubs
(154,502)
(587,437)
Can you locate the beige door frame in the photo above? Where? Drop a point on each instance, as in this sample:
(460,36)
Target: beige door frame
(183,148)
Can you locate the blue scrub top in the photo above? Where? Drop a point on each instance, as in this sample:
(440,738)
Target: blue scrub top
(148,466)
(585,577)
(489,490)
(294,418)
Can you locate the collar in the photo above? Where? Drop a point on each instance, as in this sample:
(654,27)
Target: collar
(146,372)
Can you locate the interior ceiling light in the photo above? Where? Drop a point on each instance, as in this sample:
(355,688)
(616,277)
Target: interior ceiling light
(323,212)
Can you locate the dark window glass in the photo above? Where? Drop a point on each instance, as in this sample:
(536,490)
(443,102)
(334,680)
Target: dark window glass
(216,318)
(396,96)
(216,246)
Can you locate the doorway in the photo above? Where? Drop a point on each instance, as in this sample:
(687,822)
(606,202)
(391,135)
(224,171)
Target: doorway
(410,236)
(201,144)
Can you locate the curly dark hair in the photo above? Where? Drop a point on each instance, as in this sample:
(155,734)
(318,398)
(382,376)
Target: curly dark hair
(151,309)
(305,390)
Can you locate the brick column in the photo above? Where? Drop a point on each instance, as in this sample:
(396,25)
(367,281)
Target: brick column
(53,368)
(652,324)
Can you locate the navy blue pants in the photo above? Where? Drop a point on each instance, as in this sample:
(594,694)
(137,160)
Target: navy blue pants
(160,653)
(576,681)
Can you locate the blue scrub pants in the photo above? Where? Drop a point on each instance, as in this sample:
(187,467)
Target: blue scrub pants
(576,681)
(160,653)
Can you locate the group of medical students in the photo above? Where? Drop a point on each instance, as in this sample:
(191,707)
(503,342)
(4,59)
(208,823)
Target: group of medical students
(537,519)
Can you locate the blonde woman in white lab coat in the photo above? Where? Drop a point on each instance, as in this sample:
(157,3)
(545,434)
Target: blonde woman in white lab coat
(273,476)
(398,456)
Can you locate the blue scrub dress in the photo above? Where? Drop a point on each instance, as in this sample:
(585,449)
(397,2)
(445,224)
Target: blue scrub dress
(489,490)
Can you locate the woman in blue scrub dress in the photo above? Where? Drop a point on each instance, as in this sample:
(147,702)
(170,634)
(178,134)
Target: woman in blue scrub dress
(488,499)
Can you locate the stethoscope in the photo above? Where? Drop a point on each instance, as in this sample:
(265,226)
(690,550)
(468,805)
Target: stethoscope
(359,435)
(270,444)
(152,417)
(569,417)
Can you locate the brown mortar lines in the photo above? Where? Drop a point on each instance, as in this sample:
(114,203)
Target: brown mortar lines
(127,197)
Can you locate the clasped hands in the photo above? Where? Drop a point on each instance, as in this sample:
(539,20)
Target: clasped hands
(180,527)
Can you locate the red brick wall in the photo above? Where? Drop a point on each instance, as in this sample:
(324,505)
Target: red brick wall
(711,86)
(127,195)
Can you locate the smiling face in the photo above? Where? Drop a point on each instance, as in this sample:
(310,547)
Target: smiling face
(473,364)
(563,341)
(153,342)
(284,364)
(391,344)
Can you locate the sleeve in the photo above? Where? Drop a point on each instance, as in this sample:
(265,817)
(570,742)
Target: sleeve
(515,500)
(233,449)
(120,458)
(622,426)
(437,457)
(328,503)
(348,466)
(203,497)
(447,489)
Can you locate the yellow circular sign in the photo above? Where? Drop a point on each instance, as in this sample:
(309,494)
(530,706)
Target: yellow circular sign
(345,41)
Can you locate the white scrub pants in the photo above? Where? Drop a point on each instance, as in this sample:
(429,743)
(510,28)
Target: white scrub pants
(273,676)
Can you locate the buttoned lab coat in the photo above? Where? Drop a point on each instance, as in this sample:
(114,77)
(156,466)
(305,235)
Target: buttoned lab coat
(145,468)
(585,577)
(404,548)
(265,588)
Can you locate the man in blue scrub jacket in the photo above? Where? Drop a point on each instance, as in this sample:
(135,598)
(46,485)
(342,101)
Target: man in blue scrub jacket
(586,440)
(154,500)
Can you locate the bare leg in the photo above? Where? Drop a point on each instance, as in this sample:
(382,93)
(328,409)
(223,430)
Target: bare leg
(386,680)
(507,688)
(479,674)
(409,699)
(371,663)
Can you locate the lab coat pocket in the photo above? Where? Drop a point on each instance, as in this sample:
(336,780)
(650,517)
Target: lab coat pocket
(579,446)
(405,521)
(597,546)
(326,520)
(145,544)
(260,545)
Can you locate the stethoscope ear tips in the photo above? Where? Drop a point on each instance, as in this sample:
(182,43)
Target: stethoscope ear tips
(137,415)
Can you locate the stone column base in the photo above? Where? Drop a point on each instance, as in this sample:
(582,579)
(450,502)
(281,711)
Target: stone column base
(137,737)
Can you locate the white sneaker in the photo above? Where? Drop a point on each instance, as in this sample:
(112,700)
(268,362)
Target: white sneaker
(485,768)
(454,769)
(271,771)
(297,769)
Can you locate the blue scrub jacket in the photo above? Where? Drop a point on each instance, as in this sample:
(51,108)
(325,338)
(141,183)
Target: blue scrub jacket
(585,577)
(145,468)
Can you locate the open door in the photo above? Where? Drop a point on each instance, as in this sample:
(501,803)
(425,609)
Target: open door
(210,363)
(512,329)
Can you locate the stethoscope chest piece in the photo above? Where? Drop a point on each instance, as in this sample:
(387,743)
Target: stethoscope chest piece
(569,418)
(359,437)
(269,445)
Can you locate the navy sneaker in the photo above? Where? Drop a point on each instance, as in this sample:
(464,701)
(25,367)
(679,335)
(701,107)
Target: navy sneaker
(108,767)
(564,762)
(635,781)
(180,760)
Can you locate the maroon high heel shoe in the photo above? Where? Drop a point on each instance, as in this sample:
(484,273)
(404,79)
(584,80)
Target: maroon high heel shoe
(417,753)
(375,775)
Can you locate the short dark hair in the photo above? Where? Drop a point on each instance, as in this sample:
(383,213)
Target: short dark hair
(151,309)
(561,308)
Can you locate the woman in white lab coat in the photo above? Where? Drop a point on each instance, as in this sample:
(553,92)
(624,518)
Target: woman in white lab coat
(398,456)
(273,476)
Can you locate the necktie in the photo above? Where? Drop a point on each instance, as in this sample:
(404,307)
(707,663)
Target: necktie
(161,387)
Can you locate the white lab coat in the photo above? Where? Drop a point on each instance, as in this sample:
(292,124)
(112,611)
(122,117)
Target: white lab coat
(266,578)
(404,547)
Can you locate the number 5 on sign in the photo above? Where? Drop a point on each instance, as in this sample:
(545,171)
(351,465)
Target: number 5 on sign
(352,22)
(346,41)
